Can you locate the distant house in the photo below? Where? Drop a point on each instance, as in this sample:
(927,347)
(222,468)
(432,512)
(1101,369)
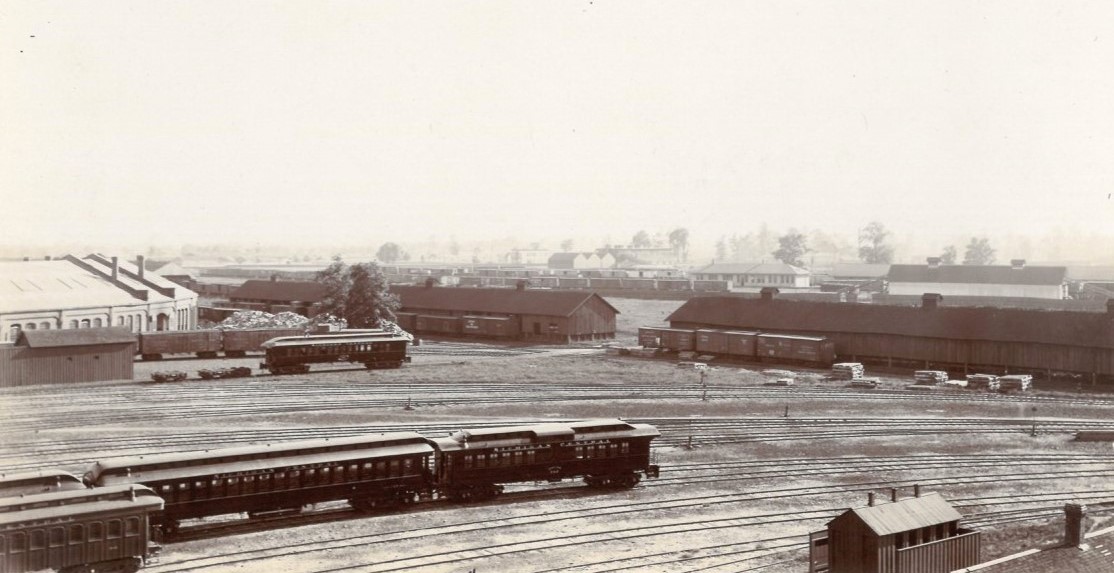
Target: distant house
(578,261)
(274,296)
(521,313)
(1014,280)
(754,275)
(644,255)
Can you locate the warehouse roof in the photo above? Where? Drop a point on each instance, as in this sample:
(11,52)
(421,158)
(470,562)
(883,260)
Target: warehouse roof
(906,515)
(978,274)
(496,300)
(75,337)
(1088,329)
(60,283)
(860,270)
(280,291)
(751,269)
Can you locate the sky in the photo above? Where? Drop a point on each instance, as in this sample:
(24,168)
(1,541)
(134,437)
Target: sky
(325,121)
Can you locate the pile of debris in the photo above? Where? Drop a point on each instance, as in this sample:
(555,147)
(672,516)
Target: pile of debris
(395,329)
(242,319)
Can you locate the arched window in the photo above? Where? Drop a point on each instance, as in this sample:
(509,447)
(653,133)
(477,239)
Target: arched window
(85,323)
(119,321)
(73,323)
(15,332)
(44,325)
(98,323)
(30,326)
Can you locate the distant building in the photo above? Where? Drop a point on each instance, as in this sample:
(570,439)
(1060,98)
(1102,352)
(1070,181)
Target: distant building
(90,292)
(68,355)
(754,275)
(275,296)
(576,261)
(1014,280)
(529,256)
(644,255)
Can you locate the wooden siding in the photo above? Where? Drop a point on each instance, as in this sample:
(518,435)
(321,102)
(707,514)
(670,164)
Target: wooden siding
(942,555)
(22,366)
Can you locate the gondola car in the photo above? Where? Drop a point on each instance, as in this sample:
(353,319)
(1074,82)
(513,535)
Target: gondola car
(104,529)
(475,463)
(367,471)
(35,482)
(294,354)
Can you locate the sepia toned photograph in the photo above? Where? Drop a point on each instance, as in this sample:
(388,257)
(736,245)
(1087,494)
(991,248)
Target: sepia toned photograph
(722,286)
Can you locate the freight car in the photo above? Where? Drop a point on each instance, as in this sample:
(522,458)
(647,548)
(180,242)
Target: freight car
(372,348)
(103,529)
(780,348)
(207,343)
(384,470)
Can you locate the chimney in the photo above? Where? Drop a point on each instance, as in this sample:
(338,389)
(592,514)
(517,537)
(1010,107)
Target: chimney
(139,262)
(115,268)
(768,293)
(46,258)
(1017,264)
(274,277)
(1074,514)
(933,262)
(931,300)
(893,494)
(26,259)
(430,282)
(870,499)
(520,285)
(916,490)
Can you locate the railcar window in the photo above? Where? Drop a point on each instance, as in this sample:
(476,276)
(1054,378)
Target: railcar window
(132,526)
(77,534)
(624,448)
(57,536)
(96,531)
(531,456)
(326,474)
(19,542)
(380,469)
(394,469)
(408,466)
(249,484)
(38,539)
(183,486)
(468,462)
(3,548)
(580,452)
(114,528)
(613,450)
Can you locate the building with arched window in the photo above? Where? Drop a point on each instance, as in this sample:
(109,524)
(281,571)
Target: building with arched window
(90,292)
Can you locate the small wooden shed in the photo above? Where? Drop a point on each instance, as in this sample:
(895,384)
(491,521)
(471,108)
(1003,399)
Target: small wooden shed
(68,355)
(915,535)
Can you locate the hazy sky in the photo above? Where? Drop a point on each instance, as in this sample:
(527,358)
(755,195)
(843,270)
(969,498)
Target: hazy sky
(207,121)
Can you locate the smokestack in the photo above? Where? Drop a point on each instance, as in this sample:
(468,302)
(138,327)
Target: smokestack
(46,258)
(115,268)
(1074,514)
(768,293)
(274,277)
(893,494)
(933,262)
(520,285)
(916,490)
(430,282)
(870,499)
(139,262)
(1017,264)
(26,259)
(931,300)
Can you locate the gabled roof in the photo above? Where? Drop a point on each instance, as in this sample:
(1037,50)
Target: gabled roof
(978,274)
(563,258)
(280,291)
(1087,329)
(906,514)
(751,269)
(496,300)
(75,337)
(1093,273)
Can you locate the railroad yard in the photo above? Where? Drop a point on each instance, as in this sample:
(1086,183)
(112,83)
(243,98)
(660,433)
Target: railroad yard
(748,468)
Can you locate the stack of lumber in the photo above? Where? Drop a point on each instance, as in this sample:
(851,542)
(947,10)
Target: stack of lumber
(982,381)
(847,371)
(930,377)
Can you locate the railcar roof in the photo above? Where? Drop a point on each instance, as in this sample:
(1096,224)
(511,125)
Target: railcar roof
(792,336)
(182,459)
(230,467)
(525,435)
(28,482)
(15,510)
(331,339)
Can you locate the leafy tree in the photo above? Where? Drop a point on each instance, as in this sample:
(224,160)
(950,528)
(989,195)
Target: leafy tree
(641,240)
(567,245)
(978,252)
(389,253)
(368,299)
(872,244)
(792,248)
(679,241)
(335,279)
(948,256)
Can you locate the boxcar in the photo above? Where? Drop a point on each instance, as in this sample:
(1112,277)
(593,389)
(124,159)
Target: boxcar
(432,324)
(78,530)
(742,343)
(711,341)
(203,343)
(406,320)
(638,284)
(474,463)
(572,282)
(650,337)
(792,348)
(368,471)
(674,284)
(34,482)
(678,339)
(488,326)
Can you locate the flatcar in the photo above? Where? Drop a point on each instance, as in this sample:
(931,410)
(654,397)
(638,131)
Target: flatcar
(294,354)
(475,463)
(367,471)
(35,482)
(104,529)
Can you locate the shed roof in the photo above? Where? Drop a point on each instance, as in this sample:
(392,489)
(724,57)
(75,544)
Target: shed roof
(280,291)
(75,337)
(751,269)
(496,300)
(978,274)
(907,514)
(1087,329)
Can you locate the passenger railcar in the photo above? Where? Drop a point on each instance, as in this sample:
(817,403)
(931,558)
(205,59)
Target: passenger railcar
(367,471)
(475,463)
(35,482)
(374,349)
(103,529)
